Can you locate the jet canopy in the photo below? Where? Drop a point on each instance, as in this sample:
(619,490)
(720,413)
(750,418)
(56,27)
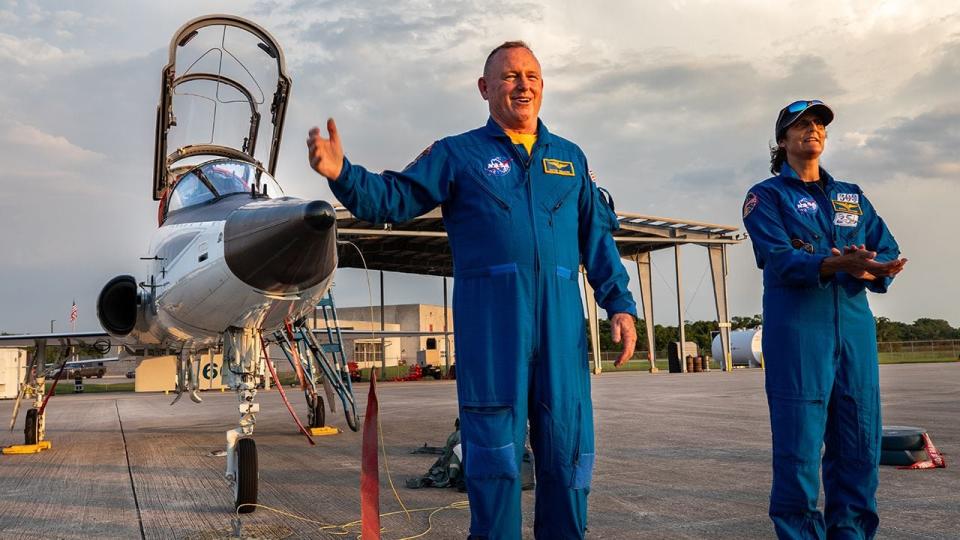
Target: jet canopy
(223,95)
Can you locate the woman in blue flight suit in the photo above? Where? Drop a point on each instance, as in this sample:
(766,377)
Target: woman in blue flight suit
(821,246)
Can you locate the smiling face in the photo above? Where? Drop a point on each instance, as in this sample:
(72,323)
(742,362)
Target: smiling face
(513,88)
(805,138)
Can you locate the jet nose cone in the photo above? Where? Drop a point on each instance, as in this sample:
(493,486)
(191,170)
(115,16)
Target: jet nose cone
(319,215)
(281,246)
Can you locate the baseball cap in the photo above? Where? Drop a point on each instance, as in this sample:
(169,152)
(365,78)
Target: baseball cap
(789,114)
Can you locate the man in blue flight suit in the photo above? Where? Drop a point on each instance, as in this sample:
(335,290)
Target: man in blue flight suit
(821,246)
(522,215)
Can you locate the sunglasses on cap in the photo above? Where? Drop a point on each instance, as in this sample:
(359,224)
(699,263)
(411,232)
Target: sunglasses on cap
(802,105)
(792,112)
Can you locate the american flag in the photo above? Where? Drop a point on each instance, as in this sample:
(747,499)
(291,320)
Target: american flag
(73,312)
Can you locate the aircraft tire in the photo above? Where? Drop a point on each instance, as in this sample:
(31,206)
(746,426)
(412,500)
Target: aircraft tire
(317,414)
(902,438)
(31,431)
(902,457)
(247,476)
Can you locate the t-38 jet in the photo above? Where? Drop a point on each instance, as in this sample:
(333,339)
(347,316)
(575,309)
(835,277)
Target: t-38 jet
(234,262)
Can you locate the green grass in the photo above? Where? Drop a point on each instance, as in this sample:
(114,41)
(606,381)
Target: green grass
(916,358)
(66,387)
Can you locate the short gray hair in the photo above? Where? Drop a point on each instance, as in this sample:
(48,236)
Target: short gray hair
(505,45)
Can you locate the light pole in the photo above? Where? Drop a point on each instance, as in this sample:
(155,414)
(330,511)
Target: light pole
(51,325)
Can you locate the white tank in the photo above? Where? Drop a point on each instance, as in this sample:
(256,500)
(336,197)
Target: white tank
(745,348)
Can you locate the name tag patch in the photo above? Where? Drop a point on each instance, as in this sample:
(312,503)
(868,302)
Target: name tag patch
(849,197)
(842,219)
(847,207)
(555,166)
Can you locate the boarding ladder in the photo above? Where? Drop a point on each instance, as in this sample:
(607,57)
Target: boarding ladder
(321,359)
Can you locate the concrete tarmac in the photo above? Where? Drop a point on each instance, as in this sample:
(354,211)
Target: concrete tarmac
(679,456)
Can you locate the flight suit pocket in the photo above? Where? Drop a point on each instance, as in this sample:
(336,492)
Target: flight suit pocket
(857,420)
(797,424)
(583,471)
(488,445)
(497,188)
(489,323)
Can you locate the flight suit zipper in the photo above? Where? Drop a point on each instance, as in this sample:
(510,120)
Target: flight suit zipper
(536,243)
(836,290)
(559,203)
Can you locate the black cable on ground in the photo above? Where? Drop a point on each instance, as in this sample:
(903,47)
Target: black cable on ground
(133,487)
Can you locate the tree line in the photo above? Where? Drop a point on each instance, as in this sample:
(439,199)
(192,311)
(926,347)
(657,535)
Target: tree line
(702,332)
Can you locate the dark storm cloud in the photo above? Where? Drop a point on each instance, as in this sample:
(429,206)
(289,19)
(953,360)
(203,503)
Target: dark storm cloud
(922,146)
(690,133)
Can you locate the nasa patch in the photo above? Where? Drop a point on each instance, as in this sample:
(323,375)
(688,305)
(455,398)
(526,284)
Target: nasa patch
(750,203)
(806,205)
(498,166)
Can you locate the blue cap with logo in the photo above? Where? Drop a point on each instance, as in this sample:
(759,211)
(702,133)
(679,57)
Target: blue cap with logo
(790,114)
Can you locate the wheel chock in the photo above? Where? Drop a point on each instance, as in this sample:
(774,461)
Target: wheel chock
(27,448)
(325,430)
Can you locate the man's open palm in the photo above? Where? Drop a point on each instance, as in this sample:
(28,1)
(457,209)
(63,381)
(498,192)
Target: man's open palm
(326,155)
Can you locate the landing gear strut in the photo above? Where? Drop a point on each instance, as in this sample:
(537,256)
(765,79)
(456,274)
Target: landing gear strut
(242,369)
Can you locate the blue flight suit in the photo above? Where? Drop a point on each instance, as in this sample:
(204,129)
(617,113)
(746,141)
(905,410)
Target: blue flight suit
(820,351)
(519,227)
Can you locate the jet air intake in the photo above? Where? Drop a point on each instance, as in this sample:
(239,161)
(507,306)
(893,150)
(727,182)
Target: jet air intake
(281,246)
(117,305)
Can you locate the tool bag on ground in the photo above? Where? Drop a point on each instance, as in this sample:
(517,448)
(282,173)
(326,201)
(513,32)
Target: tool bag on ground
(449,471)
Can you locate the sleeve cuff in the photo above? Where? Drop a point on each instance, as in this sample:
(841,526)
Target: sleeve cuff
(345,181)
(814,276)
(879,285)
(622,304)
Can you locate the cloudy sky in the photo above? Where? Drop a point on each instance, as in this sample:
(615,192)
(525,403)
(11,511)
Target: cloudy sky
(674,103)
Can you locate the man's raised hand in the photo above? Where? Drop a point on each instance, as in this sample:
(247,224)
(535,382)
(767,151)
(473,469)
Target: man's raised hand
(325,155)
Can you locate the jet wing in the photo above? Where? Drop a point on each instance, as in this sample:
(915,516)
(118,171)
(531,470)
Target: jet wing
(101,339)
(104,340)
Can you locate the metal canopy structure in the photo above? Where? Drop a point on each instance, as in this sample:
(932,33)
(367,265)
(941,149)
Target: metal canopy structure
(420,246)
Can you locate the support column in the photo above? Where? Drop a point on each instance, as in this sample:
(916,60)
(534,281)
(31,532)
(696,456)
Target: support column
(683,336)
(646,298)
(446,331)
(383,341)
(718,269)
(593,322)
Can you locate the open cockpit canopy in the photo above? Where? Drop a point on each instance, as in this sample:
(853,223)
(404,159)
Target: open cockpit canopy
(224,94)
